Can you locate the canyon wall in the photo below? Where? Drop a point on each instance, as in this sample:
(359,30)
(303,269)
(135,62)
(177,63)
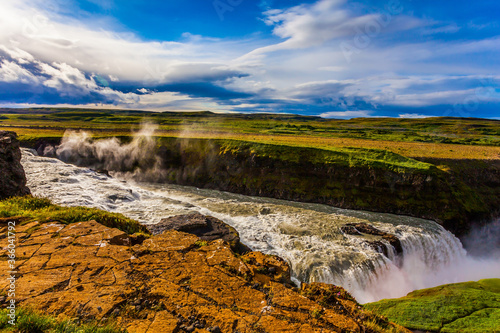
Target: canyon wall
(314,175)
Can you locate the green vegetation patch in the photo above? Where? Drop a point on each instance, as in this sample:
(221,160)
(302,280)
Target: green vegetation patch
(340,156)
(42,209)
(485,320)
(459,307)
(29,321)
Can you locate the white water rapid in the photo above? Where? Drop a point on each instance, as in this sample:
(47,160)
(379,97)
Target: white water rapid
(308,236)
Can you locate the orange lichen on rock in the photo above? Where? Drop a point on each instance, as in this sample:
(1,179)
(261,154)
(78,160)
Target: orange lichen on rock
(170,282)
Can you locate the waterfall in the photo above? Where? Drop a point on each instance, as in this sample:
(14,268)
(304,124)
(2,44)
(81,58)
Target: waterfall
(308,236)
(425,256)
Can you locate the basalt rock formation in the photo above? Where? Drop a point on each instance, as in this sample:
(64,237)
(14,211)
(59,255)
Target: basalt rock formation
(208,228)
(170,282)
(12,176)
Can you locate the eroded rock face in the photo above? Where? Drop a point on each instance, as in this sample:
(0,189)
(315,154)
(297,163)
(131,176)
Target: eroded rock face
(358,229)
(208,228)
(170,283)
(12,176)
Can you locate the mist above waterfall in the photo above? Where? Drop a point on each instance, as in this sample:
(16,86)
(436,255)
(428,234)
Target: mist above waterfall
(137,157)
(484,241)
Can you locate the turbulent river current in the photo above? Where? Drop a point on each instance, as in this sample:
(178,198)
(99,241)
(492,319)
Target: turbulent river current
(308,236)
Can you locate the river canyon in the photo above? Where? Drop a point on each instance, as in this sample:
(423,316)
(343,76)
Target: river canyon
(310,237)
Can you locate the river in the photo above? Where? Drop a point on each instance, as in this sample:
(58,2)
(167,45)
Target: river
(308,236)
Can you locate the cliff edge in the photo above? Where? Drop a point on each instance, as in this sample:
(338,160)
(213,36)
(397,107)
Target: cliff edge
(172,282)
(13,179)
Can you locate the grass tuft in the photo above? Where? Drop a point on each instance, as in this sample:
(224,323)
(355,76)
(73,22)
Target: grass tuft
(42,209)
(201,243)
(30,321)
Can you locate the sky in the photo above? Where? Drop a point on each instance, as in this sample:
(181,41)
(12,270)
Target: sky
(329,58)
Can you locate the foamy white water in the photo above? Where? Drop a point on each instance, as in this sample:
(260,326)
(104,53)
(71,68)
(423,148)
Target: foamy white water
(308,236)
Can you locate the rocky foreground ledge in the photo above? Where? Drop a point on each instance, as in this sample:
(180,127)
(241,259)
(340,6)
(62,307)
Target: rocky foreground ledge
(172,282)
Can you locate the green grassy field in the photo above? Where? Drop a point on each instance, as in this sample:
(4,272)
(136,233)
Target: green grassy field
(435,130)
(461,307)
(446,138)
(346,156)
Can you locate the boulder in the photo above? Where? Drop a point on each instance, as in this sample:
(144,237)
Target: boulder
(207,228)
(359,229)
(12,176)
(362,228)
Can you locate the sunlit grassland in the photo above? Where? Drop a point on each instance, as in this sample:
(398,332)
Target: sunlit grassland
(347,156)
(408,149)
(436,138)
